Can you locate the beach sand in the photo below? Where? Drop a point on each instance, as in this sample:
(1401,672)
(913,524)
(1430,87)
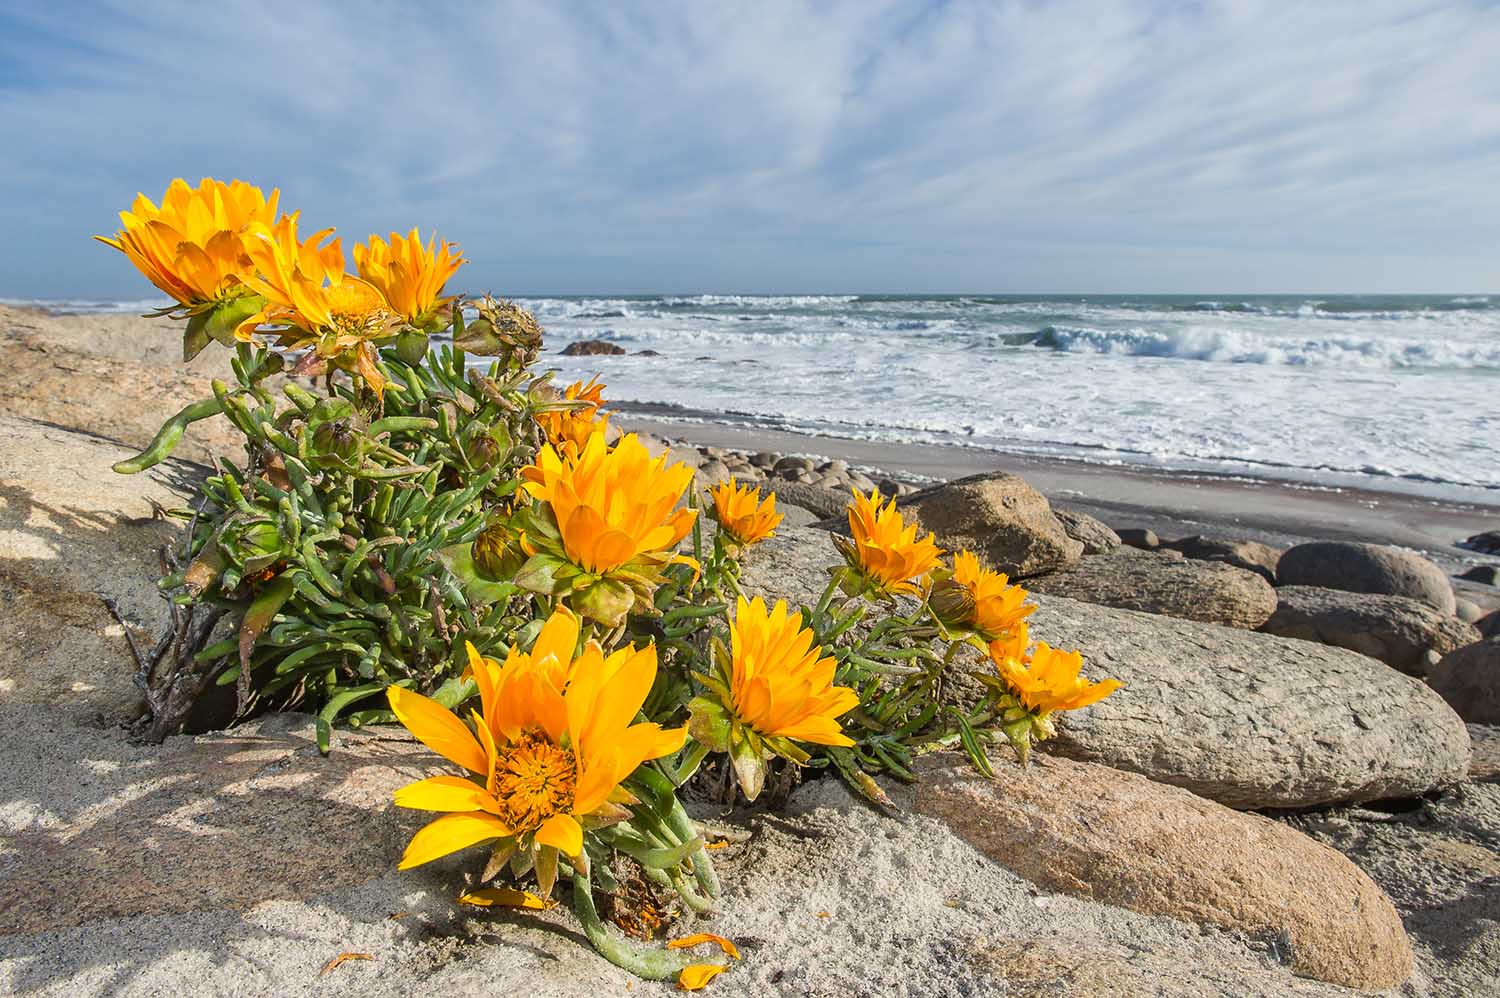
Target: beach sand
(1173,504)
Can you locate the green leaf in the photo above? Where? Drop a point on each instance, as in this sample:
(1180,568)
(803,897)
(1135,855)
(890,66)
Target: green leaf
(195,337)
(708,724)
(607,601)
(339,702)
(540,574)
(257,618)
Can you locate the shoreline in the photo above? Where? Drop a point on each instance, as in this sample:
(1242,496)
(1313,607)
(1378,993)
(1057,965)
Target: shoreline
(1174,504)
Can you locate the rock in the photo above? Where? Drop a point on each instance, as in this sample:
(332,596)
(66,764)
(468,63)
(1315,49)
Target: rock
(712,472)
(1394,629)
(1489,625)
(1095,537)
(1253,556)
(1439,865)
(212,822)
(824,502)
(1249,719)
(1485,575)
(792,465)
(1119,838)
(889,487)
(647,353)
(1485,742)
(1212,592)
(999,517)
(764,459)
(592,348)
(1366,568)
(1469,679)
(1467,610)
(1488,542)
(1139,537)
(834,467)
(72,534)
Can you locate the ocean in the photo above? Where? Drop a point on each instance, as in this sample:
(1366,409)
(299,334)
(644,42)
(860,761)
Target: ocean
(1384,392)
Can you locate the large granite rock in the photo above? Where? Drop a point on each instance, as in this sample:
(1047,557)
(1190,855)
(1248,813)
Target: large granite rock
(73,534)
(1469,679)
(1395,629)
(1156,582)
(1252,556)
(1095,536)
(823,502)
(1122,839)
(1248,719)
(1000,518)
(1440,865)
(1366,568)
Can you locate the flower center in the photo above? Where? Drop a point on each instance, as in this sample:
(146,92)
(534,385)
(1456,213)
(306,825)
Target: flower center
(354,305)
(534,779)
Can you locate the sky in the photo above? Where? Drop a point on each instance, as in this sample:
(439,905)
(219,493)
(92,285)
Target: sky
(1109,146)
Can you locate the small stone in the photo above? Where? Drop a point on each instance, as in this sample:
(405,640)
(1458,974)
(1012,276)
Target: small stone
(1488,542)
(1252,556)
(1139,537)
(1485,575)
(764,459)
(1467,610)
(712,472)
(792,463)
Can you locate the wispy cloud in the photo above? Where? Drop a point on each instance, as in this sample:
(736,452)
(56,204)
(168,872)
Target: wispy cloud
(1241,145)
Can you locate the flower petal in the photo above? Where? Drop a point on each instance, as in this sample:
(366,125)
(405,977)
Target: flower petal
(436,727)
(449,834)
(446,793)
(563,833)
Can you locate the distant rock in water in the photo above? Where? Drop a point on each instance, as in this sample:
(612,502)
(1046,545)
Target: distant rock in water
(648,353)
(1488,542)
(592,348)
(1366,568)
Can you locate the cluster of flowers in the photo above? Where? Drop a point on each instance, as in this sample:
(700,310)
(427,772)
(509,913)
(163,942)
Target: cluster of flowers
(630,669)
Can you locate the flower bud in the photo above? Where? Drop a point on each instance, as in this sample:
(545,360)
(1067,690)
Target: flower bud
(952,603)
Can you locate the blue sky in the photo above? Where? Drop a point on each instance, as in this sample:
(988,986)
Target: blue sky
(865,146)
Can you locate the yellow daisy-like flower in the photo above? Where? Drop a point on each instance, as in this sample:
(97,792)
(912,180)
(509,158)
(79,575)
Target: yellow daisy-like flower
(885,554)
(547,751)
(410,275)
(742,514)
(782,684)
(1045,679)
(572,428)
(191,246)
(977,599)
(612,504)
(307,290)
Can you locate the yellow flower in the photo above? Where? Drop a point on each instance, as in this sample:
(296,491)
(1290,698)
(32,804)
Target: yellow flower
(548,749)
(781,684)
(980,600)
(572,428)
(1045,679)
(410,275)
(885,553)
(191,247)
(306,289)
(612,504)
(742,514)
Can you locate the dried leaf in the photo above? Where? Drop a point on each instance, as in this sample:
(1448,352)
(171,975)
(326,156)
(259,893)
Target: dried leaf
(343,958)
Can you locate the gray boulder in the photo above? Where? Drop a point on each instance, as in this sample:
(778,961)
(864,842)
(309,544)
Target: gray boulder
(1095,537)
(1249,719)
(1469,679)
(1366,568)
(1165,583)
(999,517)
(592,348)
(1394,629)
(1252,556)
(823,502)
(1485,575)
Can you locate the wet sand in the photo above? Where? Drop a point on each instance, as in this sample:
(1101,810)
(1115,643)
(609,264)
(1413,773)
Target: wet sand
(1172,504)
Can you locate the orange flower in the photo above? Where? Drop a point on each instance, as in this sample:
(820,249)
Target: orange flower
(572,428)
(410,276)
(782,684)
(1046,679)
(980,600)
(885,554)
(548,750)
(191,247)
(742,514)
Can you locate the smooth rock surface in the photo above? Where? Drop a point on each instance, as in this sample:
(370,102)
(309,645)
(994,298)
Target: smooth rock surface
(1469,679)
(1122,839)
(1093,534)
(1440,864)
(1152,582)
(824,503)
(72,534)
(245,863)
(1249,719)
(1366,568)
(1139,537)
(1252,556)
(1394,629)
(999,517)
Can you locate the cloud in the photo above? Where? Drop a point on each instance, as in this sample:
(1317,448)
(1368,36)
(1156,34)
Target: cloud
(1100,146)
